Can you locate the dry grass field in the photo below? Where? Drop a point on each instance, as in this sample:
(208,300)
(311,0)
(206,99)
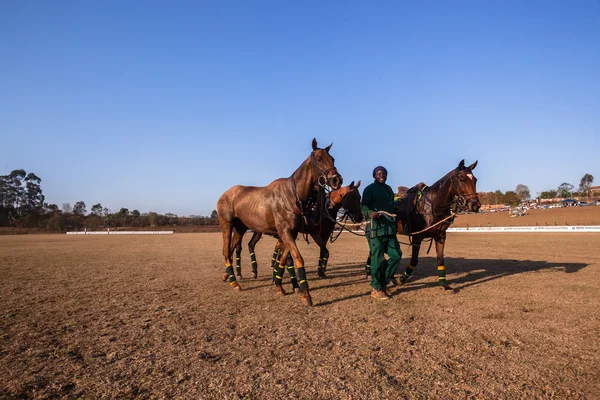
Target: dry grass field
(148,317)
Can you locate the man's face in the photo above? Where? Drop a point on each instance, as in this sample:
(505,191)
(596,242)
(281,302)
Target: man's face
(380,176)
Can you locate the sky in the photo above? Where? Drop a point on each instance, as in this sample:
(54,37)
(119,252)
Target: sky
(162,106)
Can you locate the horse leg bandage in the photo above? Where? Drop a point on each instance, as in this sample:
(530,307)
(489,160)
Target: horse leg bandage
(229,271)
(278,274)
(323,263)
(302,279)
(406,274)
(441,275)
(254,264)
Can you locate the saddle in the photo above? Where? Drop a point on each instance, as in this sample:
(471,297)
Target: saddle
(408,200)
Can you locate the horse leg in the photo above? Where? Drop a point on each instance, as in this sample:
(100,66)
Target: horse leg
(255,238)
(290,245)
(238,260)
(368,267)
(279,269)
(323,258)
(275,258)
(414,259)
(289,265)
(238,233)
(227,229)
(439,248)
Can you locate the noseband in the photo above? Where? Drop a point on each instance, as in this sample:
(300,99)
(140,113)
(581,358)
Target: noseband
(322,180)
(461,199)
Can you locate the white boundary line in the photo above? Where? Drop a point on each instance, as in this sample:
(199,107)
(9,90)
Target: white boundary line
(496,229)
(121,233)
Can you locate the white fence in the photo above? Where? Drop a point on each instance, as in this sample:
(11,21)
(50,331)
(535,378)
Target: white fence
(121,233)
(496,229)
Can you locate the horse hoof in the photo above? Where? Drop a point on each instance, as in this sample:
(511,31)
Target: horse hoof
(225,277)
(280,291)
(321,273)
(448,288)
(368,278)
(254,275)
(307,300)
(236,286)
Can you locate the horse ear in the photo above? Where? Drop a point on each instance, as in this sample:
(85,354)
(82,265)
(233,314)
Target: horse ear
(328,147)
(472,166)
(351,184)
(358,184)
(314,143)
(461,165)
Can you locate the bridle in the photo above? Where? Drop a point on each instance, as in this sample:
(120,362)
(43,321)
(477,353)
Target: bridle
(462,199)
(322,173)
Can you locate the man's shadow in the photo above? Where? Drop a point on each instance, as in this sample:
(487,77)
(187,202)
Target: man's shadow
(473,272)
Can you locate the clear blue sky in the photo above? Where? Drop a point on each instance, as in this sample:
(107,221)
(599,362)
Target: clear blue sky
(162,106)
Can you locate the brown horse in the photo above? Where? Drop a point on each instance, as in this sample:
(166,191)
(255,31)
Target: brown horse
(277,209)
(428,209)
(319,226)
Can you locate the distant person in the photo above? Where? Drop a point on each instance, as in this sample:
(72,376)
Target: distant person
(378,196)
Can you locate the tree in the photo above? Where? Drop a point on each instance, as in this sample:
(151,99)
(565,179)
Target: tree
(51,208)
(522,192)
(124,211)
(33,199)
(97,209)
(564,190)
(585,184)
(511,198)
(135,213)
(79,208)
(66,207)
(549,194)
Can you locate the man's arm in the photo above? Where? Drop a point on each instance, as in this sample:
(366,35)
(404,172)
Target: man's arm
(367,204)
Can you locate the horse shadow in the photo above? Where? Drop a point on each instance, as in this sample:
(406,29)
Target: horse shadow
(472,272)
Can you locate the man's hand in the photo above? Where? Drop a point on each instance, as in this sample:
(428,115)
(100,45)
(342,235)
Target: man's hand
(374,214)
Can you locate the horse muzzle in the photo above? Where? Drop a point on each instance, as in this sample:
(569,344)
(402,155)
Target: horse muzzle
(474,205)
(335,181)
(358,218)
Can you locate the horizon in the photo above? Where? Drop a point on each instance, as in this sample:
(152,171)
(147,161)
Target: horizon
(166,107)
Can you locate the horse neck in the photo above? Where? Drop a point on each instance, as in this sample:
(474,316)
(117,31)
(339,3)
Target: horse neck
(304,180)
(443,190)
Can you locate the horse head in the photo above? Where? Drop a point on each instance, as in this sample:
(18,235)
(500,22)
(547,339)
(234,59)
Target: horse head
(324,164)
(465,185)
(349,198)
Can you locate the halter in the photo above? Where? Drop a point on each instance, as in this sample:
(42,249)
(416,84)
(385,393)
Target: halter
(322,179)
(461,199)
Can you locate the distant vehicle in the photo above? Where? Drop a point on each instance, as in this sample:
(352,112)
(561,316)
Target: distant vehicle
(583,203)
(596,203)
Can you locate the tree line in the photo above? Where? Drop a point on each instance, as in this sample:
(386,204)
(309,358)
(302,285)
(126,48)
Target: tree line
(22,205)
(522,193)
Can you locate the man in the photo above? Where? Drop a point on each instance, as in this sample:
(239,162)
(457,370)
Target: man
(382,234)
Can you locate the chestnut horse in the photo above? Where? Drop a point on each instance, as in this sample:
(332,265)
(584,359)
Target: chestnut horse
(320,226)
(429,210)
(277,209)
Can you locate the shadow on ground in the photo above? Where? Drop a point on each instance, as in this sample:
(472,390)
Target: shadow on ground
(473,272)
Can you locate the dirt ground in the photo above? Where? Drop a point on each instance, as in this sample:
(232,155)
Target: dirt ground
(148,317)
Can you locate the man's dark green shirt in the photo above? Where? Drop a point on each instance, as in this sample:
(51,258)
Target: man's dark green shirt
(379,197)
